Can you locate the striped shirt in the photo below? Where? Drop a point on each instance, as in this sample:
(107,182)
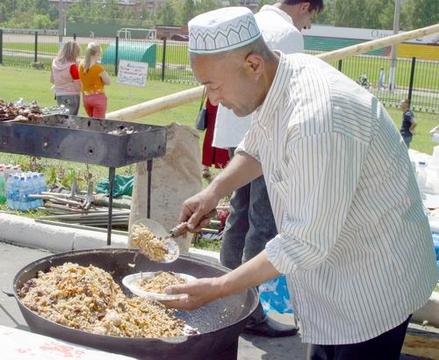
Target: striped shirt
(353,239)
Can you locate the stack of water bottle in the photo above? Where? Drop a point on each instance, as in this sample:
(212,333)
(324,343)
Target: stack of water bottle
(19,188)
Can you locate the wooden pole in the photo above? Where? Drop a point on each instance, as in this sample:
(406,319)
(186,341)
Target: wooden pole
(379,43)
(156,105)
(191,95)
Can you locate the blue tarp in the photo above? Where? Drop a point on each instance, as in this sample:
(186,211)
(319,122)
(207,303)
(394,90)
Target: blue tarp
(436,247)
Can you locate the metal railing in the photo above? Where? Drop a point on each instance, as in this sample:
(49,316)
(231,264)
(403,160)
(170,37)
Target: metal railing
(169,61)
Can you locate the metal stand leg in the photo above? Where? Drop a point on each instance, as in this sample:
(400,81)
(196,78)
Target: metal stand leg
(111,175)
(148,204)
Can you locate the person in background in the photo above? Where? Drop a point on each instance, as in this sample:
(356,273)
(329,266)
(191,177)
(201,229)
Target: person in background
(251,224)
(381,79)
(355,245)
(93,79)
(64,76)
(212,156)
(408,124)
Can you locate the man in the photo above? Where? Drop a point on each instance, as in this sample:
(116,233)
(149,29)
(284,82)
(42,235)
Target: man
(408,124)
(355,244)
(251,224)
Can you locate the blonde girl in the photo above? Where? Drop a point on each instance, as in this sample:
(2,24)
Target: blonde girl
(65,77)
(93,79)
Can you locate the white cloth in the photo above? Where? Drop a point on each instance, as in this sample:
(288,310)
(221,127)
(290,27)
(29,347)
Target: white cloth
(17,344)
(353,239)
(222,30)
(278,30)
(279,33)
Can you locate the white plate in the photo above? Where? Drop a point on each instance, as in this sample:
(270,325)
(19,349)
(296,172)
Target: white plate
(130,282)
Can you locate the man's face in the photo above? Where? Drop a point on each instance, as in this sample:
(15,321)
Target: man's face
(302,15)
(404,106)
(308,18)
(228,81)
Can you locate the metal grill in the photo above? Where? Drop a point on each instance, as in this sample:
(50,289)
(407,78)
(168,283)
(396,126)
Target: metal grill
(103,142)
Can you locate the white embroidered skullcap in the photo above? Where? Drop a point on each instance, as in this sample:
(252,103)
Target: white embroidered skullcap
(222,30)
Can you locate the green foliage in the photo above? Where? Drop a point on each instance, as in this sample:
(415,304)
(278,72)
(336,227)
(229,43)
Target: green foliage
(208,5)
(187,11)
(327,15)
(421,13)
(212,245)
(352,13)
(378,14)
(167,13)
(40,21)
(28,14)
(51,175)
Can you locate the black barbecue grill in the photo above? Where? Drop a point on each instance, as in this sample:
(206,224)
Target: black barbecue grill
(103,142)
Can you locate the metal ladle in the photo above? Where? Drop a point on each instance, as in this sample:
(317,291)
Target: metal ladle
(168,237)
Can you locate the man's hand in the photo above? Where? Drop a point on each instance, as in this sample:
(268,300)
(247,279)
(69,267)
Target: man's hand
(241,170)
(196,209)
(199,292)
(202,291)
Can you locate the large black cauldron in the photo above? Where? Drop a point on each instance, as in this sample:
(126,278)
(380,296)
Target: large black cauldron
(219,323)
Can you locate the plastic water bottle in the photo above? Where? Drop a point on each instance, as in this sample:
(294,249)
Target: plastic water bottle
(24,191)
(20,190)
(30,189)
(42,181)
(35,202)
(2,187)
(421,175)
(12,192)
(9,192)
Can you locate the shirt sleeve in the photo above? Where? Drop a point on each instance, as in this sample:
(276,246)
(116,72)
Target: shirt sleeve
(318,185)
(74,72)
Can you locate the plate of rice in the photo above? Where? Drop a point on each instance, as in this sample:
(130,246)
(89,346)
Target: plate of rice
(153,284)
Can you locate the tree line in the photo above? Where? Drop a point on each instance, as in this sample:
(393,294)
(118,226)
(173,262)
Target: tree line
(376,14)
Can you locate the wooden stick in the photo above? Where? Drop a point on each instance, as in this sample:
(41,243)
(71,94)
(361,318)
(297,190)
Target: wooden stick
(379,43)
(187,96)
(156,105)
(62,207)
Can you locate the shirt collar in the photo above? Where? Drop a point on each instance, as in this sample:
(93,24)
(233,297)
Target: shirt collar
(264,112)
(278,11)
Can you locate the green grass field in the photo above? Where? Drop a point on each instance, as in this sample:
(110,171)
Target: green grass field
(176,53)
(425,71)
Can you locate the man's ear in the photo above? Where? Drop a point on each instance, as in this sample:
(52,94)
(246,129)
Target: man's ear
(304,7)
(255,64)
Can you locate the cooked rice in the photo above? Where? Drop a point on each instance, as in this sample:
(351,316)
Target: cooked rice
(160,281)
(87,298)
(150,245)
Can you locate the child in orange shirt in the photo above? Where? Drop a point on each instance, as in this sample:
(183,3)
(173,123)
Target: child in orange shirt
(93,79)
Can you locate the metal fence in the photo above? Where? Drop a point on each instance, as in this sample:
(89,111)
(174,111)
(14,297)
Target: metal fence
(415,79)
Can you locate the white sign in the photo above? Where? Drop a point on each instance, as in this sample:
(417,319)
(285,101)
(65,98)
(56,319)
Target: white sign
(132,73)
